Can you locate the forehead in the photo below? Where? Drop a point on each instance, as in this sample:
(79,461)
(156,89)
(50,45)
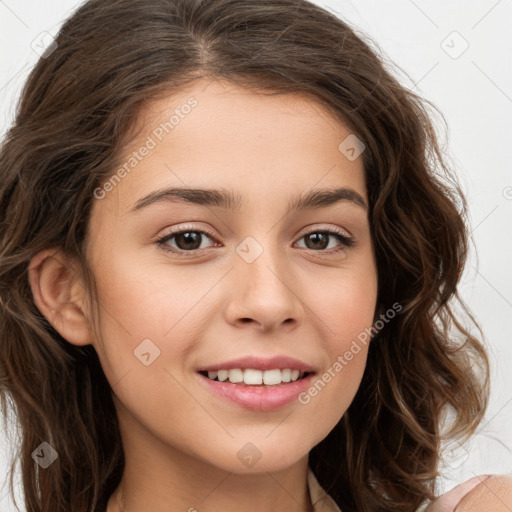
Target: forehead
(215,134)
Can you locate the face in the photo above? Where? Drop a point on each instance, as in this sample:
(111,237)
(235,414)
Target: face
(189,283)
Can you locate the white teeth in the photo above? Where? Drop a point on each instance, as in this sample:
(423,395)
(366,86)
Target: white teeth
(272,377)
(236,376)
(253,377)
(222,375)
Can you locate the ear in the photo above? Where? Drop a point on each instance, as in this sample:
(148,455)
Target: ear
(59,294)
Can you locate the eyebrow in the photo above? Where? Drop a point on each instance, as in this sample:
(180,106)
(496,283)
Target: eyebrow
(227,199)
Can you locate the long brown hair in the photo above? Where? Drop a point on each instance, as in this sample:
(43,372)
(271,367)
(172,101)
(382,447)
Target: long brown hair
(74,115)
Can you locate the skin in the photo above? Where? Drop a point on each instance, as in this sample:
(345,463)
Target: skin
(181,441)
(478,494)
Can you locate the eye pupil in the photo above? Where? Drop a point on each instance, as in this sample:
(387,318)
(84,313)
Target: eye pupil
(318,237)
(188,237)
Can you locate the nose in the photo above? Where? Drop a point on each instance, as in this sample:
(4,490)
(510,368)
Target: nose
(264,292)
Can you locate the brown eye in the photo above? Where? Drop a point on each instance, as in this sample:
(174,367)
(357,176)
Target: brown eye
(185,240)
(188,240)
(319,240)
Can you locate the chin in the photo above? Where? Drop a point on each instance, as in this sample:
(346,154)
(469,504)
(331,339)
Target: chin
(260,457)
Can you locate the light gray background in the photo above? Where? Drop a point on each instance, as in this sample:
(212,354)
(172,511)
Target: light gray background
(471,87)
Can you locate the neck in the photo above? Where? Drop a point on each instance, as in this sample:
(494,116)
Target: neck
(240,493)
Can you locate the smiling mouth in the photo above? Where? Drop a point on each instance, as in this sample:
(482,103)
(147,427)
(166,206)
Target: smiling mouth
(252,377)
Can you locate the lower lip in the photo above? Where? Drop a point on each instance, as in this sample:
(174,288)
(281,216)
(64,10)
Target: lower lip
(258,398)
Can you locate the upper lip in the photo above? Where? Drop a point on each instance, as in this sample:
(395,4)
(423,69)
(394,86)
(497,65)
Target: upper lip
(260,363)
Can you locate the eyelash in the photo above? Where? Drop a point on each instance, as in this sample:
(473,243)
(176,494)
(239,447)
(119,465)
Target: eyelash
(346,241)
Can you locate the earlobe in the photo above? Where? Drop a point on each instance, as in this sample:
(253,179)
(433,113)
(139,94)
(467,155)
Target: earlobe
(59,295)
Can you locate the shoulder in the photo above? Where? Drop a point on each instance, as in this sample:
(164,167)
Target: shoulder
(495,494)
(478,494)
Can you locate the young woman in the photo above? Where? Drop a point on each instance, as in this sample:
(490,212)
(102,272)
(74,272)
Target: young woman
(230,251)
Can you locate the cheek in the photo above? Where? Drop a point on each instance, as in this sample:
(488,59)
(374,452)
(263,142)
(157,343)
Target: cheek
(148,308)
(345,305)
(142,296)
(344,309)
(349,316)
